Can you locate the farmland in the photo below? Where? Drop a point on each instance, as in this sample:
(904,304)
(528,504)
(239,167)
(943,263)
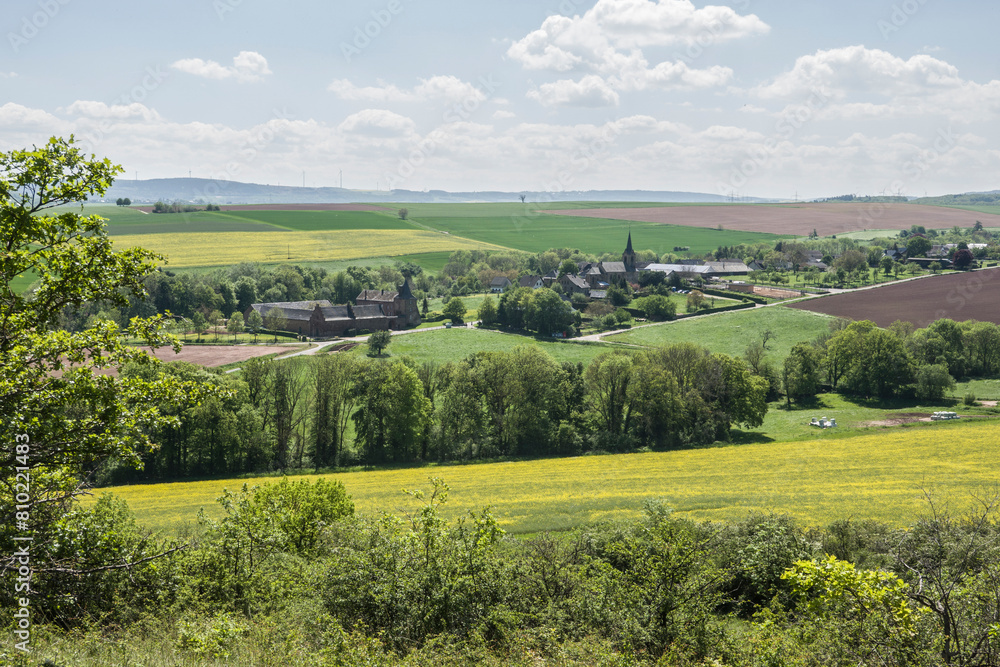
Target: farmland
(458,226)
(729,333)
(795,219)
(957,296)
(225,248)
(881,476)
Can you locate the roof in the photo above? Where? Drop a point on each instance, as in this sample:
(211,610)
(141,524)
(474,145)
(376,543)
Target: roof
(613,267)
(369,312)
(500,281)
(679,268)
(598,294)
(404,290)
(382,296)
(529,281)
(335,313)
(291,310)
(727,267)
(628,248)
(577,281)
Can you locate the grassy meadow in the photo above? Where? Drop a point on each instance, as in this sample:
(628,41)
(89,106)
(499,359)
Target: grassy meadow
(729,333)
(882,475)
(446,345)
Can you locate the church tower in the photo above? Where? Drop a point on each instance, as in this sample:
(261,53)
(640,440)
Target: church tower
(628,257)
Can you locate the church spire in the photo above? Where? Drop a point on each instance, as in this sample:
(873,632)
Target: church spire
(628,257)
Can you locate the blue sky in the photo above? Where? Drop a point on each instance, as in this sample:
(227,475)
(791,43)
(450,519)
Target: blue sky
(750,97)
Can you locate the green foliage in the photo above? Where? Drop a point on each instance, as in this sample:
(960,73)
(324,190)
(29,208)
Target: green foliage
(933,381)
(454,310)
(378,341)
(656,307)
(867,613)
(488,311)
(56,399)
(802,371)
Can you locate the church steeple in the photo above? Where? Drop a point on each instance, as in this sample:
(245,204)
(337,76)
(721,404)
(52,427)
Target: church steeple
(628,257)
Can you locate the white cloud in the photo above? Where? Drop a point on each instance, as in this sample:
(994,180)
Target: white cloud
(378,123)
(93,109)
(447,88)
(502,114)
(8,75)
(608,40)
(590,91)
(596,40)
(860,82)
(247,67)
(14,116)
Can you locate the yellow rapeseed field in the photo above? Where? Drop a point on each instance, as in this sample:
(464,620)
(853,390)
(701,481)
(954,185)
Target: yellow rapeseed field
(223,248)
(883,476)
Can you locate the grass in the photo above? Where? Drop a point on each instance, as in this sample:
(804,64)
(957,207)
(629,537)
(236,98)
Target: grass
(205,249)
(537,233)
(983,388)
(881,475)
(311,221)
(729,333)
(456,344)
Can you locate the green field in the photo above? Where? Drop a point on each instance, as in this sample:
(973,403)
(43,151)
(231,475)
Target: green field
(514,226)
(456,344)
(311,221)
(882,475)
(538,233)
(729,333)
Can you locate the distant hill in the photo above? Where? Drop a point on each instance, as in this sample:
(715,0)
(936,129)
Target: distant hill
(967,199)
(204,191)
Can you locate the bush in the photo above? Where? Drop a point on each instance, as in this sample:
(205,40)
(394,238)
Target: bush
(969,399)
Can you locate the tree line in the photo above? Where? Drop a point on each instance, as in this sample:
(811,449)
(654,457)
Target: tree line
(344,409)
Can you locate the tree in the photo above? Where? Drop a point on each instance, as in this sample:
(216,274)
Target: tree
(235,324)
(568,268)
(547,313)
(802,371)
(199,323)
(254,323)
(962,259)
(119,202)
(127,202)
(695,301)
(377,342)
(933,380)
(917,246)
(487,311)
(60,415)
(403,213)
(454,310)
(274,318)
(608,377)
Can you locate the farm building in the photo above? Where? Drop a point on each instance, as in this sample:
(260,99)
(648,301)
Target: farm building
(499,284)
(375,310)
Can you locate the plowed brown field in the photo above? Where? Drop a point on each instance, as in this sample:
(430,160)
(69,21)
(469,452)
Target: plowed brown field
(216,355)
(797,219)
(958,296)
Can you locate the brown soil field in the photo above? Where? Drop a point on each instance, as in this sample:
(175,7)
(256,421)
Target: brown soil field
(216,355)
(291,207)
(958,296)
(776,293)
(796,219)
